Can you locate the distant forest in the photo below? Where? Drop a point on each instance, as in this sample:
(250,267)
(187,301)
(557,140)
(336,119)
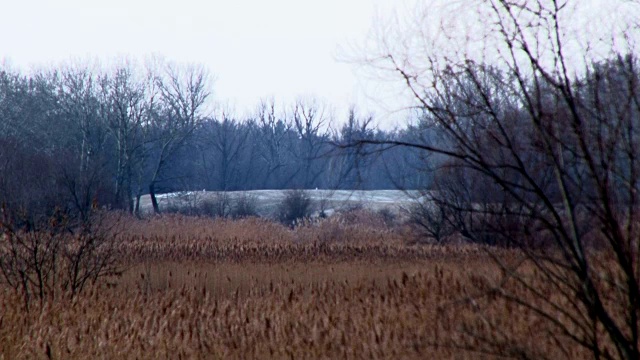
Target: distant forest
(83,137)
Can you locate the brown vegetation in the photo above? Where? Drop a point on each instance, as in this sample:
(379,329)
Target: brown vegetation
(346,287)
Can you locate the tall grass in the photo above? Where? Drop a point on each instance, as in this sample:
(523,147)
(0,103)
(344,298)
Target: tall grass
(344,288)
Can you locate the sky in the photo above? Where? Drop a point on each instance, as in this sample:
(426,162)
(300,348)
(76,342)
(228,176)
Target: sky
(255,49)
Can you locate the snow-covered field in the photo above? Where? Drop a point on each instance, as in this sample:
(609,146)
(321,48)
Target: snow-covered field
(267,201)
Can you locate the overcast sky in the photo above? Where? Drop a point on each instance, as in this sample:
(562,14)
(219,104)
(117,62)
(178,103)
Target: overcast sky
(255,48)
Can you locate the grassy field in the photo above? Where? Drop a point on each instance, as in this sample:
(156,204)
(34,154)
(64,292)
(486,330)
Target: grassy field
(354,288)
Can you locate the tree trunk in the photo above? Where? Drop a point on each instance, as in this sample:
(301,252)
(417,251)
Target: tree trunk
(154,201)
(136,211)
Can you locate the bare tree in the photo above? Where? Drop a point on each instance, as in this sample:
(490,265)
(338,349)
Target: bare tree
(273,139)
(308,119)
(82,154)
(128,98)
(183,93)
(347,163)
(547,114)
(27,109)
(228,138)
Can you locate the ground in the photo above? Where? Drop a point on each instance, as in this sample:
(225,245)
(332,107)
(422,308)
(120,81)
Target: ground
(267,201)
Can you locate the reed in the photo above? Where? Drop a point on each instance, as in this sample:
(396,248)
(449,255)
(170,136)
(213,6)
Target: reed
(200,289)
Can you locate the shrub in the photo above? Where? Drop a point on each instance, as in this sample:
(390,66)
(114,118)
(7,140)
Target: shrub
(57,254)
(218,206)
(431,220)
(244,206)
(295,206)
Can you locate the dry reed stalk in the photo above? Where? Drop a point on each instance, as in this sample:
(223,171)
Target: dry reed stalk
(200,288)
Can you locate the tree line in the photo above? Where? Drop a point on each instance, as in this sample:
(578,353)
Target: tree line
(80,136)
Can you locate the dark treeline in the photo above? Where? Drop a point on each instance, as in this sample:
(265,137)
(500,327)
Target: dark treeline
(76,137)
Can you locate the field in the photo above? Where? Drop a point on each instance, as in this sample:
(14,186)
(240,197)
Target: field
(345,287)
(266,201)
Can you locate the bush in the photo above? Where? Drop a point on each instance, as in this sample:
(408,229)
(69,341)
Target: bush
(431,219)
(389,217)
(295,206)
(244,206)
(174,208)
(58,254)
(219,206)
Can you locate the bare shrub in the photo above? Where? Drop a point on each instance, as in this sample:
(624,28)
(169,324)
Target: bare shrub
(295,206)
(464,203)
(174,208)
(358,216)
(90,253)
(186,203)
(218,206)
(244,206)
(389,217)
(431,220)
(42,257)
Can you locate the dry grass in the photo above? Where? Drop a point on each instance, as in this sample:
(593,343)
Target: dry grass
(199,288)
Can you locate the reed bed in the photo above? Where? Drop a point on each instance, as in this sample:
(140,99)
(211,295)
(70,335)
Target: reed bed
(197,288)
(181,238)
